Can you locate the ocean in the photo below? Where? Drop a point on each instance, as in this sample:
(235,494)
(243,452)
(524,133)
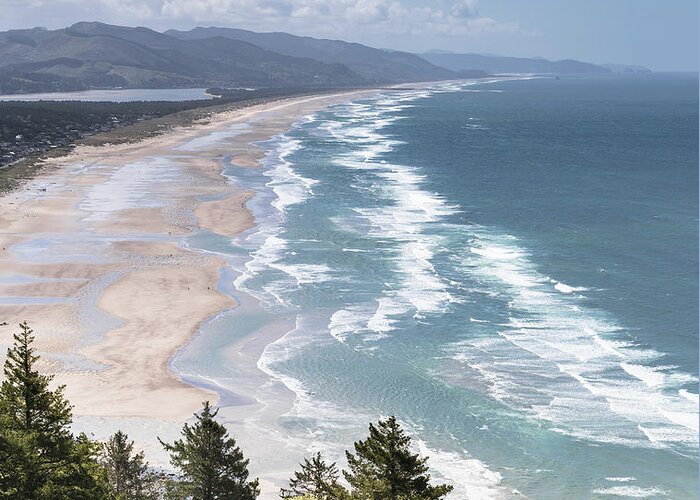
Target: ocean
(508,266)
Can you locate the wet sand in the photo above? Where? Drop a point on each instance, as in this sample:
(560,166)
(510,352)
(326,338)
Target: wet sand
(92,256)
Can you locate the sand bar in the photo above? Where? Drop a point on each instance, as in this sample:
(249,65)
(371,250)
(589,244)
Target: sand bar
(91,255)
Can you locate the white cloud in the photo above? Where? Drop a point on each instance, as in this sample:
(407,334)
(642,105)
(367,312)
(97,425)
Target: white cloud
(226,11)
(398,23)
(465,8)
(136,8)
(337,16)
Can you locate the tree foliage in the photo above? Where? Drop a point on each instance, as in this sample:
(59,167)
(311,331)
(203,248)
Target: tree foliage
(383,467)
(127,472)
(39,457)
(211,464)
(317,479)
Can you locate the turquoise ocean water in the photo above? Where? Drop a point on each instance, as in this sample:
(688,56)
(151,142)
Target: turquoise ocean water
(509,267)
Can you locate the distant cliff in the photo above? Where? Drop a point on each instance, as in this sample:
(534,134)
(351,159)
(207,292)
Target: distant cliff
(500,64)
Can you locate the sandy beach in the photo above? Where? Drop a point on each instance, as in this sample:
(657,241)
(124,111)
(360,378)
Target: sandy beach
(92,257)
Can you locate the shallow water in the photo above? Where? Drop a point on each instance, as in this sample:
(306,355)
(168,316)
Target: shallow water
(115,95)
(508,267)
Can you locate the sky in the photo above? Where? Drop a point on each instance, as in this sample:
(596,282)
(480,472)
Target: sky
(659,34)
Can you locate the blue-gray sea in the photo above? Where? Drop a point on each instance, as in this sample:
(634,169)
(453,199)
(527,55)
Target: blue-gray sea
(510,267)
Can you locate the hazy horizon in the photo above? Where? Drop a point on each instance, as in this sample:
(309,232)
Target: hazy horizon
(662,37)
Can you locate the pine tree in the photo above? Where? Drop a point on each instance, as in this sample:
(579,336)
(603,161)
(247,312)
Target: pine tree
(82,477)
(211,464)
(317,480)
(41,458)
(127,473)
(383,467)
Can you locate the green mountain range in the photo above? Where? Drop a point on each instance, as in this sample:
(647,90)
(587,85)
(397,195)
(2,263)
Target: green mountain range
(88,55)
(376,66)
(97,55)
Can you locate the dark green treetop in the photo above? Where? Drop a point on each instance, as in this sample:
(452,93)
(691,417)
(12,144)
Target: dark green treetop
(39,457)
(211,464)
(317,479)
(127,472)
(384,468)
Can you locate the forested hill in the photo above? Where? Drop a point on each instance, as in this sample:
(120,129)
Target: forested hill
(374,65)
(89,55)
(96,55)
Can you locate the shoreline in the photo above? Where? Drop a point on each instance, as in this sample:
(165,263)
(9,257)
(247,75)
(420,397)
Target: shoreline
(101,234)
(116,378)
(117,226)
(127,122)
(144,207)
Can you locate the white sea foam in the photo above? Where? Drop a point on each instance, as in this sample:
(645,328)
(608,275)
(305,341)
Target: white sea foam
(345,322)
(661,435)
(650,376)
(614,347)
(284,349)
(688,420)
(689,396)
(270,251)
(387,306)
(404,221)
(564,288)
(322,422)
(578,372)
(273,251)
(658,376)
(419,288)
(290,187)
(554,356)
(404,218)
(272,255)
(471,478)
(630,492)
(362,320)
